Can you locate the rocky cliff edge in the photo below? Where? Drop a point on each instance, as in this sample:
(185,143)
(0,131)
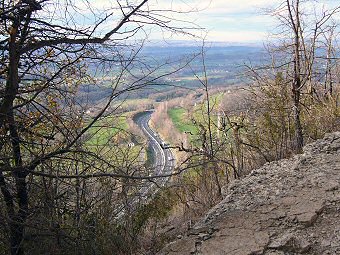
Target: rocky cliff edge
(291,206)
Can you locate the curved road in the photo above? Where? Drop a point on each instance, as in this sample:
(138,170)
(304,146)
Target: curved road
(163,159)
(164,163)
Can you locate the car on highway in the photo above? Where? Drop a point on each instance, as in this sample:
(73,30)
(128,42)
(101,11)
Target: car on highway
(164,145)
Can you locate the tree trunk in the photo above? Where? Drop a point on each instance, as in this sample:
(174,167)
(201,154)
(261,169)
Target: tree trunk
(296,84)
(298,146)
(328,87)
(17,221)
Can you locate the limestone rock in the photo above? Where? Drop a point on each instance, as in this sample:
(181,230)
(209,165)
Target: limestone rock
(291,206)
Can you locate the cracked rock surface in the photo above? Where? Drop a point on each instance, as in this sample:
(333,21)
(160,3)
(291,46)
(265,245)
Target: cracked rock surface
(291,206)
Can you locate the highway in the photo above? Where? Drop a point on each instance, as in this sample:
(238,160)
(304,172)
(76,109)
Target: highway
(163,159)
(163,163)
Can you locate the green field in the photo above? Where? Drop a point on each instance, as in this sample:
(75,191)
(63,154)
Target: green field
(180,120)
(110,138)
(106,130)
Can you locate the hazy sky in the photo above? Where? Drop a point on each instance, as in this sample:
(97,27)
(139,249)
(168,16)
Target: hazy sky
(239,20)
(230,20)
(224,20)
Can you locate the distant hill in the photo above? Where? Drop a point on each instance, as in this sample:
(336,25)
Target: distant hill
(191,43)
(224,65)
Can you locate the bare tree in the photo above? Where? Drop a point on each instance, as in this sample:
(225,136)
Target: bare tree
(294,17)
(51,55)
(301,30)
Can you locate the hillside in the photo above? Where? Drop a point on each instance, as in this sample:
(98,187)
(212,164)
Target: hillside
(287,207)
